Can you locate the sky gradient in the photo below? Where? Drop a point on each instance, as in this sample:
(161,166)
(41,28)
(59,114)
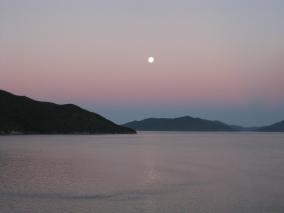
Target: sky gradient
(220,59)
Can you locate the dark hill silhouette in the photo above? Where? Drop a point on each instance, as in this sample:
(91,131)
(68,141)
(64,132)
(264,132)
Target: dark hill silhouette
(24,115)
(277,127)
(186,123)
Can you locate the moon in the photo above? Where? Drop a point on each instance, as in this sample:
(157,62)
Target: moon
(151,60)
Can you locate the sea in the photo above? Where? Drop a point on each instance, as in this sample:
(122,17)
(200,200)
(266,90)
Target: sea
(177,172)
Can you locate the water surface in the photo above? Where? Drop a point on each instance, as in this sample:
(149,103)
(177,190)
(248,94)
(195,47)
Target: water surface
(147,172)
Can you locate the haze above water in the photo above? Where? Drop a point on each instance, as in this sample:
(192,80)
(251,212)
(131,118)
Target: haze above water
(147,172)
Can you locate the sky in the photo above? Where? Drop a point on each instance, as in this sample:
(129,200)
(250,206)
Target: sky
(214,59)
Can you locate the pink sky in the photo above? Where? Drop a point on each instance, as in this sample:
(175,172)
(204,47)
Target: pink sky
(94,53)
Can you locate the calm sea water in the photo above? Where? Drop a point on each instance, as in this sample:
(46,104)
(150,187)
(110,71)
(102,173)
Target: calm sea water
(147,172)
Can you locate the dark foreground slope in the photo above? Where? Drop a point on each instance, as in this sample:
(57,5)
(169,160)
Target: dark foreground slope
(24,115)
(186,123)
(277,127)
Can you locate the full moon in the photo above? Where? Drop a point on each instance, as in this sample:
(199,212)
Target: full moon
(151,60)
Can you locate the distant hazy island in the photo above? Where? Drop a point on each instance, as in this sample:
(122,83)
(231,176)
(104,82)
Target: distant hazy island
(185,123)
(20,114)
(277,127)
(188,123)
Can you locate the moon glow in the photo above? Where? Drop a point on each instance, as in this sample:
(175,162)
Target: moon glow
(151,60)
